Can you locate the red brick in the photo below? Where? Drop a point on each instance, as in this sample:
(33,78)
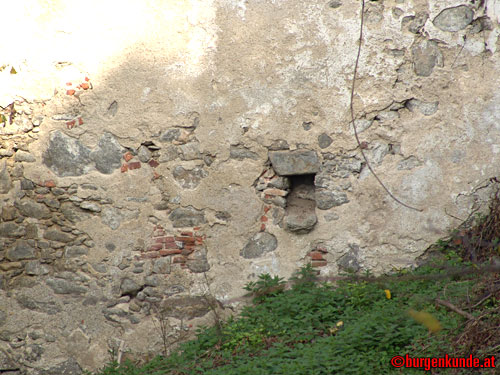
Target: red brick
(185,240)
(128,156)
(150,255)
(180,259)
(188,234)
(315,255)
(153,163)
(262,227)
(156,246)
(85,86)
(196,228)
(165,253)
(134,165)
(167,239)
(321,249)
(124,168)
(80,121)
(49,184)
(70,124)
(171,245)
(70,92)
(263,219)
(319,263)
(266,209)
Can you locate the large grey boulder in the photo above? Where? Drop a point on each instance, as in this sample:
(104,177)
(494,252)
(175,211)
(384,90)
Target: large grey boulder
(454,19)
(260,244)
(297,162)
(186,217)
(21,251)
(426,55)
(11,230)
(30,208)
(67,156)
(326,199)
(107,156)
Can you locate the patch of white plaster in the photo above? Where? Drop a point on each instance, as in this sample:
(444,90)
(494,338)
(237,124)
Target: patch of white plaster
(145,93)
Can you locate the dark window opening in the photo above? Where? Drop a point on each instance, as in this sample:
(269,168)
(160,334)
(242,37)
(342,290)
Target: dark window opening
(302,187)
(300,215)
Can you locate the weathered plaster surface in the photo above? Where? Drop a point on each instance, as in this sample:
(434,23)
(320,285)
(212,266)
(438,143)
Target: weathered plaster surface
(154,174)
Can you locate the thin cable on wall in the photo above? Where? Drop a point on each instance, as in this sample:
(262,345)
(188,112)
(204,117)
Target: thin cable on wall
(354,123)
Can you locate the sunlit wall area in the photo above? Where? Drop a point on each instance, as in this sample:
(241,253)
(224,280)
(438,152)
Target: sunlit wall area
(49,42)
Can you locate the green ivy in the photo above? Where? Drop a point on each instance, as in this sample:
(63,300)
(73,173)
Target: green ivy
(314,328)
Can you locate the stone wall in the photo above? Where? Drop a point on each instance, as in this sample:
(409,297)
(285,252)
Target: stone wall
(148,163)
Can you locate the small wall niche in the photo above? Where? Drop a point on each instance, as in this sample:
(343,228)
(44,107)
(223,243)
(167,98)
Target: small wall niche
(301,187)
(300,215)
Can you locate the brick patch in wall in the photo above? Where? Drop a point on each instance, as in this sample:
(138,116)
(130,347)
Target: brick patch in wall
(180,246)
(316,255)
(153,163)
(134,165)
(264,219)
(128,156)
(131,165)
(71,124)
(319,263)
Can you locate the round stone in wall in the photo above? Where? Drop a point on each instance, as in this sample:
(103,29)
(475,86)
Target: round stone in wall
(454,19)
(324,140)
(260,244)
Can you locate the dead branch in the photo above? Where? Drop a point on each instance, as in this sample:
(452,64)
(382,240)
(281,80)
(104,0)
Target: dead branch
(456,309)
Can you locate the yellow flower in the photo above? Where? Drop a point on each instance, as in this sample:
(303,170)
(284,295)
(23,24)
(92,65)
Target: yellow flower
(387,293)
(334,330)
(426,319)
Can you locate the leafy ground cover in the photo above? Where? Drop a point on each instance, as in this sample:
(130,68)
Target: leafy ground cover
(356,325)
